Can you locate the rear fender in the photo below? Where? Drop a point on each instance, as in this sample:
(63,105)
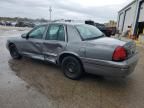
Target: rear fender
(60,56)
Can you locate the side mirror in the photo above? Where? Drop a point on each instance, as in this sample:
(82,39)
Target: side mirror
(24,36)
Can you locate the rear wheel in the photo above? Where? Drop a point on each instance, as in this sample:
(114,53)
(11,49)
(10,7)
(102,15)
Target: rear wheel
(72,68)
(14,52)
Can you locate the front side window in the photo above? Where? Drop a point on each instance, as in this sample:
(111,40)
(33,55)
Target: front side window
(88,32)
(55,32)
(38,32)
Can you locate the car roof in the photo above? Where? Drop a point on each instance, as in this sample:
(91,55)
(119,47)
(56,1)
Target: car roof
(63,23)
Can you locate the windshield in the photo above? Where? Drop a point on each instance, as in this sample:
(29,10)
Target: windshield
(89,32)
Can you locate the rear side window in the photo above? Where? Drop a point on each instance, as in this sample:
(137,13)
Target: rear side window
(89,32)
(55,32)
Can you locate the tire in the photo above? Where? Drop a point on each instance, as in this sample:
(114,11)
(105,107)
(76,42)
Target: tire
(14,52)
(72,68)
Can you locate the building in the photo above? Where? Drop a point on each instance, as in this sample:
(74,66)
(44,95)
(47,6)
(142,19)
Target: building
(131,17)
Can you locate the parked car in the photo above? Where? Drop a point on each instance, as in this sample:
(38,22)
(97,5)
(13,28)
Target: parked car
(77,48)
(20,24)
(24,24)
(108,31)
(8,23)
(113,30)
(2,23)
(90,22)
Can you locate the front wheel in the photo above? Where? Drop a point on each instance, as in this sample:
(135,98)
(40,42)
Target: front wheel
(14,52)
(72,67)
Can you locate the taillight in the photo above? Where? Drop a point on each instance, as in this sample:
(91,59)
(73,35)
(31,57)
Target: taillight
(119,54)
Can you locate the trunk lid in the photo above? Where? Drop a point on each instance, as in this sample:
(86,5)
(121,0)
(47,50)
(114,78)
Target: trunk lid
(129,45)
(107,41)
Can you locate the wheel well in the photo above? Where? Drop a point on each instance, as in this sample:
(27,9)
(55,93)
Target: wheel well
(10,44)
(65,55)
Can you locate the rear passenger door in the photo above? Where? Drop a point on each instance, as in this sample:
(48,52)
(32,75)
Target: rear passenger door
(55,42)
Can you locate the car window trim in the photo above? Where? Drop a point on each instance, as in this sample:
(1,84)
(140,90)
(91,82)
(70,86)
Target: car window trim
(79,33)
(66,32)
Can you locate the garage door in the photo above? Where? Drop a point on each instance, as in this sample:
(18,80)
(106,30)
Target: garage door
(141,17)
(121,18)
(128,19)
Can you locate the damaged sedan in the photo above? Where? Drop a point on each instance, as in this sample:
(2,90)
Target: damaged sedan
(77,48)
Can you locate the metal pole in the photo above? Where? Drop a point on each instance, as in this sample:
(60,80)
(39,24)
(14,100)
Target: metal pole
(50,10)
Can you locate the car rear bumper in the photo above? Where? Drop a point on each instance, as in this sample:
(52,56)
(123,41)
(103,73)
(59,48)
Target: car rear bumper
(110,68)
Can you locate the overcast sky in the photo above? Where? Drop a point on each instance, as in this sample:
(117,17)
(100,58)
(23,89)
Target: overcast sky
(98,10)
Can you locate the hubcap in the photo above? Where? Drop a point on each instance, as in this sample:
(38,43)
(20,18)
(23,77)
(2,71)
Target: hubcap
(71,67)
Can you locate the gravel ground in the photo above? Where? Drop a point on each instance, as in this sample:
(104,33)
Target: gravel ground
(31,83)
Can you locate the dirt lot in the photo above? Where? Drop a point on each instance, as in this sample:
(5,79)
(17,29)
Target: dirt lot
(35,84)
(12,31)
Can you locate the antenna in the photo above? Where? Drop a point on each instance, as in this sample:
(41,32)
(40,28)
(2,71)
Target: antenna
(50,11)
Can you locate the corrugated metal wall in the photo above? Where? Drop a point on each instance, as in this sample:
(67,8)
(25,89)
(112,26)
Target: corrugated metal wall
(128,18)
(141,17)
(132,15)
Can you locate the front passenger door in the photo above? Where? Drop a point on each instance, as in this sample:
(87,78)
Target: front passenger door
(55,42)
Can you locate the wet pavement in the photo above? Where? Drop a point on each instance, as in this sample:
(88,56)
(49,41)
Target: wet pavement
(31,83)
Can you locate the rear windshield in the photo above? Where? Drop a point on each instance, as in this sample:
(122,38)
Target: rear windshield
(89,32)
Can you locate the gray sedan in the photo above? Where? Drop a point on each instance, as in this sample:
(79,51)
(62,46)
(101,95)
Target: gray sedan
(77,48)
